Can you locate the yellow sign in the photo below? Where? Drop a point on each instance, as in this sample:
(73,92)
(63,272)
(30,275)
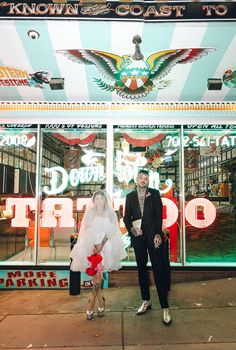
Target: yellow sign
(13,77)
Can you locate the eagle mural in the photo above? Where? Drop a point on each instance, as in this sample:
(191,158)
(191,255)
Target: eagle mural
(132,76)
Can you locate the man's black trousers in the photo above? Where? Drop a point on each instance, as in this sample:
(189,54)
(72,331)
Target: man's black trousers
(142,246)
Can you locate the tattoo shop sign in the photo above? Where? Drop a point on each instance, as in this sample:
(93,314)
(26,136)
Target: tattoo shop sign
(142,11)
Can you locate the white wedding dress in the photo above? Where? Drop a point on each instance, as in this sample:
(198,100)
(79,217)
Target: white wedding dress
(94,228)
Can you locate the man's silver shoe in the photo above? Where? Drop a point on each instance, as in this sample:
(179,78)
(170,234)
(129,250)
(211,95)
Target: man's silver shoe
(166,316)
(101,311)
(146,305)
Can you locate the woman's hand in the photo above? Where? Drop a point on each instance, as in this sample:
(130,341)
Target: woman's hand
(98,248)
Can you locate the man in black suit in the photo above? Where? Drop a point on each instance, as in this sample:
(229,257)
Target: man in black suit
(143,220)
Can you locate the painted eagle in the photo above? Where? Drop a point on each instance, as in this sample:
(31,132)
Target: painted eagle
(131,75)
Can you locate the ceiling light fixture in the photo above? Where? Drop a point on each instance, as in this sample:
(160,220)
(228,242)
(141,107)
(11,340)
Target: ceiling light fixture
(33,34)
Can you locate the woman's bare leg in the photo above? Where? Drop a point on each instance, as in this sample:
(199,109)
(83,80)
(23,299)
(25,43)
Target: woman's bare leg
(96,295)
(96,291)
(92,300)
(100,298)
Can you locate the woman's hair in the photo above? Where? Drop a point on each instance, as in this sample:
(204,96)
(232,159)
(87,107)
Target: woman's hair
(103,194)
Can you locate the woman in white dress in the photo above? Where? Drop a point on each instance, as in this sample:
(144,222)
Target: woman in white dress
(99,237)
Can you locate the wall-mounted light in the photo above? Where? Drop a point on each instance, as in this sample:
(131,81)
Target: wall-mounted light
(57,83)
(214,84)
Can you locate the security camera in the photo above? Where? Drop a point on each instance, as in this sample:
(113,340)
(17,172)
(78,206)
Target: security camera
(33,34)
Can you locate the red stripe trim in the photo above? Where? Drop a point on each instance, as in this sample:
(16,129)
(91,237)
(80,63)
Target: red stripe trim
(140,142)
(76,141)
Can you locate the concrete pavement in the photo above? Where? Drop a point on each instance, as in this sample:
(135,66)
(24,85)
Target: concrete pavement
(204,317)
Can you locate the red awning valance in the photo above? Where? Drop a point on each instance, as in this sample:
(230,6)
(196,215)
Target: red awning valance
(138,138)
(75,137)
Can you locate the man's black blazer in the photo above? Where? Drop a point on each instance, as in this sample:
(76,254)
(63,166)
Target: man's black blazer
(152,214)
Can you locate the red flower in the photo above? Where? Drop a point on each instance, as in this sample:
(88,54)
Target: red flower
(90,271)
(95,260)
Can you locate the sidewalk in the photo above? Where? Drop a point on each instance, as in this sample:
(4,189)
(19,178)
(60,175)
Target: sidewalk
(204,317)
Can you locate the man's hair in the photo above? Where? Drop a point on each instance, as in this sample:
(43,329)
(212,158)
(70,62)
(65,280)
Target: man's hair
(143,171)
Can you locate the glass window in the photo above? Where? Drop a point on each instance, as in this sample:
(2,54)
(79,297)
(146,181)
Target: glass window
(211,199)
(158,151)
(73,168)
(17,194)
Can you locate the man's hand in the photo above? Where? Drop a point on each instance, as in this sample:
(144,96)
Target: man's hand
(136,231)
(139,232)
(157,240)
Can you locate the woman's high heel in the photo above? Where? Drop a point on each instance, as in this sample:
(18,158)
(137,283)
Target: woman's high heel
(101,310)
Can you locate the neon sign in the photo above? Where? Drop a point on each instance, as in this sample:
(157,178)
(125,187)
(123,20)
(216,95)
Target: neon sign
(59,211)
(127,170)
(60,178)
(127,173)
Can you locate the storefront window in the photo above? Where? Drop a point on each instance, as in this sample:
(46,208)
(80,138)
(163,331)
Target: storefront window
(156,149)
(72,163)
(17,190)
(210,193)
(73,168)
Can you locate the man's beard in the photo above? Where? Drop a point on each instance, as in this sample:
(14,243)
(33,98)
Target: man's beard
(142,187)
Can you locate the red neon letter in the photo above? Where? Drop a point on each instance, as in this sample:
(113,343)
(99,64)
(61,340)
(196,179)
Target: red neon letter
(208,212)
(118,202)
(171,212)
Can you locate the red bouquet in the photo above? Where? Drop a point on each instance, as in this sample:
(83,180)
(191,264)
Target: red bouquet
(95,264)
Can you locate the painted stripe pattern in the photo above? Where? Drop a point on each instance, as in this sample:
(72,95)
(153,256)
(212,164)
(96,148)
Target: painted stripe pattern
(87,82)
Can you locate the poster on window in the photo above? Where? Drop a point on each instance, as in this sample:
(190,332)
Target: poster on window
(72,159)
(190,159)
(211,151)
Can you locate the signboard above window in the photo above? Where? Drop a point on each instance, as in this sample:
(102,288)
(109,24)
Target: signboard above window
(115,10)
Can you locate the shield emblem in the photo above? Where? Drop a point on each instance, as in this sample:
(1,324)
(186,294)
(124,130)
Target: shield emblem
(135,77)
(134,82)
